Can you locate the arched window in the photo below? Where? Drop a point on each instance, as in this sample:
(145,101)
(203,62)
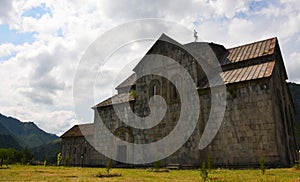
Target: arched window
(125,134)
(154,88)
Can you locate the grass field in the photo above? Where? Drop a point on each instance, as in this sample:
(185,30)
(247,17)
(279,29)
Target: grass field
(52,173)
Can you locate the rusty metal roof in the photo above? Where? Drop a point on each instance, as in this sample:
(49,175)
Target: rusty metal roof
(248,73)
(118,98)
(253,50)
(77,130)
(253,72)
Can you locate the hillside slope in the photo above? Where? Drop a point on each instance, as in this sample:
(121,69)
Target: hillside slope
(26,134)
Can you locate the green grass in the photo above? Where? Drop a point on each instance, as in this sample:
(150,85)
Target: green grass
(51,173)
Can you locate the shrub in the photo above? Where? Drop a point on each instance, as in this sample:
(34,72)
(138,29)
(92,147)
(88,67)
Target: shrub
(12,156)
(23,160)
(204,172)
(297,165)
(59,158)
(108,165)
(209,163)
(157,164)
(262,165)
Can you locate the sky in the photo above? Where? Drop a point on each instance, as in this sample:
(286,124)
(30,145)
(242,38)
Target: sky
(42,43)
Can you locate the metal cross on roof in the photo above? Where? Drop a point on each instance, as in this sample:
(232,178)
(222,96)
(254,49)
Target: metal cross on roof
(195,35)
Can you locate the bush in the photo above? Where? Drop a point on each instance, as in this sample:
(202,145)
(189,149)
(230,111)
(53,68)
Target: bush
(297,165)
(12,156)
(108,165)
(58,159)
(204,172)
(108,174)
(262,165)
(209,163)
(157,164)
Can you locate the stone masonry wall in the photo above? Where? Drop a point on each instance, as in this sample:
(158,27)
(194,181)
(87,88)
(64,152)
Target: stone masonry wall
(284,115)
(74,147)
(246,134)
(248,131)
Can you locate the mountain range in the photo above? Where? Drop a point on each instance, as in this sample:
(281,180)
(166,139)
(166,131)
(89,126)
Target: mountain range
(22,134)
(19,135)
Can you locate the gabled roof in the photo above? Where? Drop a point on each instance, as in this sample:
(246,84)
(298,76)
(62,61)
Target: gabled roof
(248,73)
(202,49)
(166,38)
(78,130)
(118,98)
(162,38)
(128,82)
(252,50)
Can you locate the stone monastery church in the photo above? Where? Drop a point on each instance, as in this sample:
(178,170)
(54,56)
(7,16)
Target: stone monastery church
(258,122)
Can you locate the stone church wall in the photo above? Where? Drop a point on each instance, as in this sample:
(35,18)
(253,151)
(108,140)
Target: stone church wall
(248,131)
(80,152)
(246,134)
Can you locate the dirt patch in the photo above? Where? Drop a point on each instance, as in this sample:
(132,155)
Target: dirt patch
(70,176)
(100,175)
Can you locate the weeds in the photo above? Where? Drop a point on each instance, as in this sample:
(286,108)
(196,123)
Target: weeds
(262,165)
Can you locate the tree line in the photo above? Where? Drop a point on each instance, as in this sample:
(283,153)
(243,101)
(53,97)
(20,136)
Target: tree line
(24,156)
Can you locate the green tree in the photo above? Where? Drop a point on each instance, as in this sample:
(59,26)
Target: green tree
(108,165)
(204,172)
(7,156)
(3,156)
(262,165)
(24,156)
(209,163)
(59,157)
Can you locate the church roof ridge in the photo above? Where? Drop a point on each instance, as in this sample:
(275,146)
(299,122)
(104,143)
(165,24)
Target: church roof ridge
(78,130)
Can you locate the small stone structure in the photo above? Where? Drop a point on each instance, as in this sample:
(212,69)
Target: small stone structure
(259,120)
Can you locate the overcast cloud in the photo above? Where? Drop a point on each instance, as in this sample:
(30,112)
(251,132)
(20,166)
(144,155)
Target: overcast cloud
(42,42)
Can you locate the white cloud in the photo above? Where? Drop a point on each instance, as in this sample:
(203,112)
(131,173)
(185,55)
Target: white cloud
(6,49)
(7,11)
(230,8)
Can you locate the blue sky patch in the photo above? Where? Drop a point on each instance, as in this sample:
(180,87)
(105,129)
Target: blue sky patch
(37,12)
(7,57)
(14,37)
(257,5)
(59,32)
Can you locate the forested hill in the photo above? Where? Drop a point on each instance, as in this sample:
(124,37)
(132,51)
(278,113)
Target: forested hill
(17,134)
